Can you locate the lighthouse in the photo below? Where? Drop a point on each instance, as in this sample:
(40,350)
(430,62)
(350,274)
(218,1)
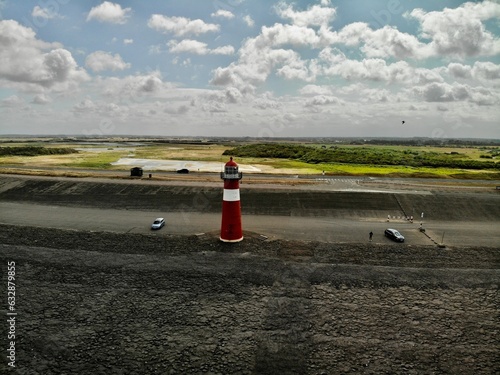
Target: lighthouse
(231,209)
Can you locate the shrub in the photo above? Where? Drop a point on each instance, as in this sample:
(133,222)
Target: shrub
(359,155)
(34,151)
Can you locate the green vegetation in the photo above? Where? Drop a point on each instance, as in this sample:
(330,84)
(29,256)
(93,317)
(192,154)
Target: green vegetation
(492,153)
(35,151)
(331,157)
(377,156)
(180,152)
(94,160)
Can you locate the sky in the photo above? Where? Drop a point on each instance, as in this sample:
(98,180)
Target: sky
(255,68)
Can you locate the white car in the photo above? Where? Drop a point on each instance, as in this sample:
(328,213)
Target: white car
(158,223)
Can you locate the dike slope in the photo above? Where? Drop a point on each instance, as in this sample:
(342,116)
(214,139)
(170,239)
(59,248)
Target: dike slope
(446,206)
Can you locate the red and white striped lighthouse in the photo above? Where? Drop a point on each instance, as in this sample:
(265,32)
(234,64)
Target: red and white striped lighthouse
(230,230)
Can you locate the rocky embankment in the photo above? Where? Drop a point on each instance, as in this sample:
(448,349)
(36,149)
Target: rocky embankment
(108,303)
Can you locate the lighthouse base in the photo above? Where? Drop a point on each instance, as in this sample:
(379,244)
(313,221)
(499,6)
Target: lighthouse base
(229,241)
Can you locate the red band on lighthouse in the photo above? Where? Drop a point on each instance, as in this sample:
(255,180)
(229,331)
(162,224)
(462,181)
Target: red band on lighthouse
(231,209)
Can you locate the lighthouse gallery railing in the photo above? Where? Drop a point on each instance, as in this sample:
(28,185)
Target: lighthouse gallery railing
(231,176)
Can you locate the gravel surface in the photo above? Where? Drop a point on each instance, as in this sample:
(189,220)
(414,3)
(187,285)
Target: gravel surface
(108,303)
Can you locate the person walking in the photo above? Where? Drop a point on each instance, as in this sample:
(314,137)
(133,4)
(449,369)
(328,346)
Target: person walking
(371,236)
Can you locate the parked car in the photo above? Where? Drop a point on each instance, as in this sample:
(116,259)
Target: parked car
(183,170)
(158,223)
(393,234)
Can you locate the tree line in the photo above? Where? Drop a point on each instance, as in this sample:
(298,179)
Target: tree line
(360,155)
(35,151)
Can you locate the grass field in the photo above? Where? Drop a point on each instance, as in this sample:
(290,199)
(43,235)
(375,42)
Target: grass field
(100,157)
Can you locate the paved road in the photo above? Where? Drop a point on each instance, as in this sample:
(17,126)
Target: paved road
(286,227)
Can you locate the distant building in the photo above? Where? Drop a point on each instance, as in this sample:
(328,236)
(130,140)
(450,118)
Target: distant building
(136,172)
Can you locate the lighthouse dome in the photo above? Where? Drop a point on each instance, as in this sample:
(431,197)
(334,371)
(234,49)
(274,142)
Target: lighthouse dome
(231,163)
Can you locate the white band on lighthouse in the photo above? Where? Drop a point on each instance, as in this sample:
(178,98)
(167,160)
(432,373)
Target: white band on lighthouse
(231,195)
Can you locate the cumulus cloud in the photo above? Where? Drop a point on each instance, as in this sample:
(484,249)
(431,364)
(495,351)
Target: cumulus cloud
(266,103)
(290,117)
(41,99)
(179,110)
(181,26)
(233,95)
(249,21)
(457,70)
(372,70)
(460,31)
(151,83)
(389,42)
(28,60)
(109,12)
(331,56)
(297,69)
(43,13)
(384,42)
(221,13)
(214,107)
(99,61)
(198,48)
(423,76)
(88,107)
(486,70)
(341,74)
(271,52)
(277,49)
(187,45)
(314,90)
(223,50)
(445,92)
(253,67)
(292,35)
(322,100)
(335,63)
(483,71)
(230,95)
(135,88)
(259,57)
(84,106)
(316,15)
(12,101)
(375,95)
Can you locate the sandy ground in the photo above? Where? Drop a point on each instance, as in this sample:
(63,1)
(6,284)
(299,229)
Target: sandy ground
(192,165)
